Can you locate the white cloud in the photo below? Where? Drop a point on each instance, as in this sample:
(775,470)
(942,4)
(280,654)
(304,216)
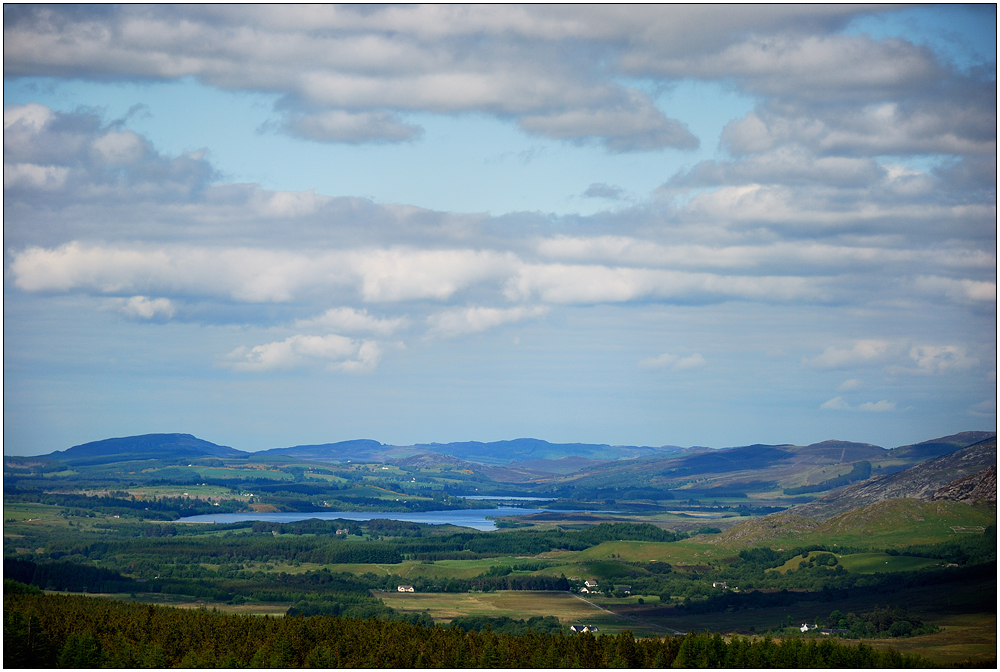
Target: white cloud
(561,283)
(140,306)
(334,352)
(400,274)
(32,176)
(350,320)
(629,126)
(861,352)
(958,290)
(256,275)
(850,385)
(475,319)
(119,147)
(345,73)
(838,404)
(674,362)
(941,358)
(289,204)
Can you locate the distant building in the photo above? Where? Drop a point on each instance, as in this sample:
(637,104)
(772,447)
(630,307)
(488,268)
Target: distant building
(590,584)
(719,584)
(624,589)
(806,627)
(583,628)
(343,530)
(405,589)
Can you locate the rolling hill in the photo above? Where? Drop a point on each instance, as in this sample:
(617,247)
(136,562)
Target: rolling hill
(144,447)
(920,481)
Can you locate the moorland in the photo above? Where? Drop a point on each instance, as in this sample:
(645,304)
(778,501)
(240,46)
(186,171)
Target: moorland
(831,554)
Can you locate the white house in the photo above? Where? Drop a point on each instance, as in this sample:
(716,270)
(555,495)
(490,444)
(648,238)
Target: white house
(719,584)
(590,584)
(806,627)
(405,589)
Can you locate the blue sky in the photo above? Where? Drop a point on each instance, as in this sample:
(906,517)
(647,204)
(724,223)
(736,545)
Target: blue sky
(644,225)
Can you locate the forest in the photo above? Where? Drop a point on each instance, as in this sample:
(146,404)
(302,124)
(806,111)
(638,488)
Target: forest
(45,631)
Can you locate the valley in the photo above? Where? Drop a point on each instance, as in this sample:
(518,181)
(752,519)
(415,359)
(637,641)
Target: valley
(748,541)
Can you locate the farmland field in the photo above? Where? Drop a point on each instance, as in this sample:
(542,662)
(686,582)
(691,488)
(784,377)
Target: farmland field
(516,604)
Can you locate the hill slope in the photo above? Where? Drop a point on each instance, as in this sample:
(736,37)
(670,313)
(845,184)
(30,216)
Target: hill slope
(982,485)
(146,446)
(920,481)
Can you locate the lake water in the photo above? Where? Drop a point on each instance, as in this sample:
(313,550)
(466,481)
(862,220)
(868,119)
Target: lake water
(492,498)
(474,518)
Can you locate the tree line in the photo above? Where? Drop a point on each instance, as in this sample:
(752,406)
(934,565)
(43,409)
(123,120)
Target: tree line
(71,631)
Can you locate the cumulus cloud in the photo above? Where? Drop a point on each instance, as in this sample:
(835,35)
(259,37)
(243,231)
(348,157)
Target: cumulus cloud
(964,290)
(352,321)
(941,358)
(850,385)
(255,275)
(863,351)
(148,309)
(631,126)
(474,319)
(333,352)
(77,157)
(838,404)
(563,283)
(674,362)
(346,74)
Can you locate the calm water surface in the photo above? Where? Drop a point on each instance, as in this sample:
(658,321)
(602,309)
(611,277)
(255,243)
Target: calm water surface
(474,518)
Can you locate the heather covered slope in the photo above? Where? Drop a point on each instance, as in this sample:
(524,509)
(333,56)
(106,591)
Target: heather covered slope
(920,481)
(891,522)
(980,486)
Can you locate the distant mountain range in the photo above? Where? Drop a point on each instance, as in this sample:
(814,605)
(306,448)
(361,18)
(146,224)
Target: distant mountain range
(524,458)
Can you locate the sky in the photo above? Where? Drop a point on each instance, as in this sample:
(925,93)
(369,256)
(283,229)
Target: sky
(636,225)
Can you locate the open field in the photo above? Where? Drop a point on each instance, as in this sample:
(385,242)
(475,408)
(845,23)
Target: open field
(967,614)
(516,604)
(866,563)
(256,609)
(964,637)
(24,511)
(870,563)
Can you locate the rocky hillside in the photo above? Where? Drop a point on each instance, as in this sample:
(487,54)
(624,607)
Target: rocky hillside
(981,486)
(921,481)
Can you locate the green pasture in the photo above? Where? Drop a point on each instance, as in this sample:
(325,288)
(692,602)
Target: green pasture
(887,524)
(864,563)
(516,604)
(410,569)
(24,511)
(872,563)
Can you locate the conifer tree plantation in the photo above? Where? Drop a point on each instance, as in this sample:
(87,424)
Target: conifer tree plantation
(45,631)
